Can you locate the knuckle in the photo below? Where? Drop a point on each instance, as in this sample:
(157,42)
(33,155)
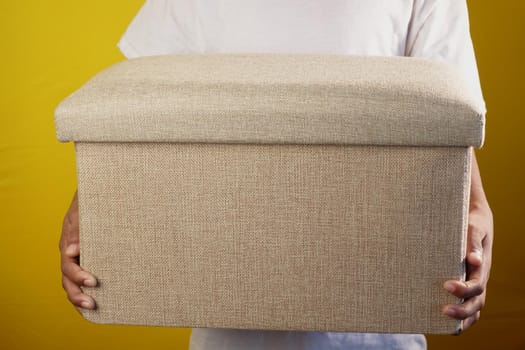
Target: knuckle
(66,284)
(462,313)
(64,269)
(481,304)
(474,288)
(479,289)
(489,213)
(476,230)
(468,309)
(66,226)
(71,298)
(68,272)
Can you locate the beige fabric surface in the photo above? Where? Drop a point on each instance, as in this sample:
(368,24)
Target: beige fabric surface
(274,98)
(296,237)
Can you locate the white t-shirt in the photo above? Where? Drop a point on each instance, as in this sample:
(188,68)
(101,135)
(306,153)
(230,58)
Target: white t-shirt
(435,29)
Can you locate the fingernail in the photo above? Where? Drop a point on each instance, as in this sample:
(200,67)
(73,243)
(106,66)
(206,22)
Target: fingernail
(71,249)
(450,287)
(89,282)
(86,304)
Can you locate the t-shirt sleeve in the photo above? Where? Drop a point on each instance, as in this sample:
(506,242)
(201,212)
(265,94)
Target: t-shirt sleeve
(440,30)
(160,27)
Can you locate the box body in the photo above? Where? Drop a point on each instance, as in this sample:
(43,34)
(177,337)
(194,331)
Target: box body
(264,236)
(274,191)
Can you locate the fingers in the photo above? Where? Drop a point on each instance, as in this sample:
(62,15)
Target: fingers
(477,267)
(72,271)
(70,231)
(468,322)
(472,291)
(75,295)
(468,309)
(465,290)
(73,276)
(478,257)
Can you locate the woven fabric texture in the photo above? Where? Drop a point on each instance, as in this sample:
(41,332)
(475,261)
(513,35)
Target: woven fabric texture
(275,98)
(288,237)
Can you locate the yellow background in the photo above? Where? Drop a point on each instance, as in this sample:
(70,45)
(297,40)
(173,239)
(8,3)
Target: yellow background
(49,48)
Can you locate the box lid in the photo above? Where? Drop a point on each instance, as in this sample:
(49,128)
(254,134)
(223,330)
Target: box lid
(275,98)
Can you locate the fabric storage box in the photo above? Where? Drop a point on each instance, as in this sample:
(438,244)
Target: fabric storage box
(274,191)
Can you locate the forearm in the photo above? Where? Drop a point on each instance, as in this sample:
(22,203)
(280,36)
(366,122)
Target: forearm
(478,199)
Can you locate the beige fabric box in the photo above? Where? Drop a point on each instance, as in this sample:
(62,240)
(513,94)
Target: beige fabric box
(274,191)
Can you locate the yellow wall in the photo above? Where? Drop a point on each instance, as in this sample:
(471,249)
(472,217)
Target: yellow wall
(498,33)
(49,48)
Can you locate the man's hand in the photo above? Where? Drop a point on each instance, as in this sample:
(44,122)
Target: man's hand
(72,274)
(480,236)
